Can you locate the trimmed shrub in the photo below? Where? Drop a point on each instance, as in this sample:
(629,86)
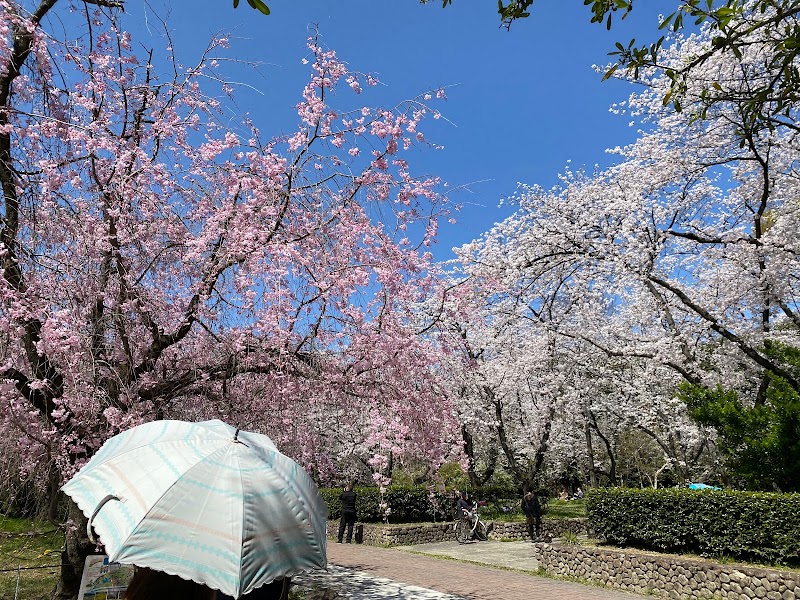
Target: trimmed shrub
(408,504)
(752,526)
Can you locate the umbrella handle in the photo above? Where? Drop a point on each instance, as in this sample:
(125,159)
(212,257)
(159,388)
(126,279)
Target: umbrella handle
(94,514)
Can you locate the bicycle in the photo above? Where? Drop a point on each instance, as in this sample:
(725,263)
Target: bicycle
(465,532)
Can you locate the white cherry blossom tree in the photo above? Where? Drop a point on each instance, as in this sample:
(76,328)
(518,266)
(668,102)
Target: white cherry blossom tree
(679,263)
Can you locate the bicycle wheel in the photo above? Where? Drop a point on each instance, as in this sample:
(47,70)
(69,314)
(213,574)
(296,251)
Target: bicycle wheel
(480,531)
(462,532)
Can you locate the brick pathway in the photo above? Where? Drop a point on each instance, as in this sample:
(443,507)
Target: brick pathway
(363,586)
(389,573)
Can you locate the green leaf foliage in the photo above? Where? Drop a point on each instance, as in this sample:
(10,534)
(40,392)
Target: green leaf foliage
(259,6)
(760,439)
(751,526)
(255,4)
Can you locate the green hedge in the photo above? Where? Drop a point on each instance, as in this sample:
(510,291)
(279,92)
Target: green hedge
(409,504)
(752,526)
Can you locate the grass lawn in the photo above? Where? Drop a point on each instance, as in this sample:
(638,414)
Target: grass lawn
(565,509)
(556,509)
(26,543)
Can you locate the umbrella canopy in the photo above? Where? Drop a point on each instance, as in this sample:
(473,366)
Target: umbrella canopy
(203,501)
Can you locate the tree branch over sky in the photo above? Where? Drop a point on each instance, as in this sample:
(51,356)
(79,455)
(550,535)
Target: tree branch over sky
(731,25)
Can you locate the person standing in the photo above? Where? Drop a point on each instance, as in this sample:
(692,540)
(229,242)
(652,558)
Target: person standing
(348,499)
(533,514)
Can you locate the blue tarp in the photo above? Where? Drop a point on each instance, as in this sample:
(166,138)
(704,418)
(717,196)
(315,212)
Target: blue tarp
(702,486)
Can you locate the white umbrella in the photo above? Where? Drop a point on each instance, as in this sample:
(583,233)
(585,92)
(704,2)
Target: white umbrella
(203,501)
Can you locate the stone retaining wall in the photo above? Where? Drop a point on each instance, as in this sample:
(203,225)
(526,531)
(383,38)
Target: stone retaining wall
(517,531)
(665,575)
(375,534)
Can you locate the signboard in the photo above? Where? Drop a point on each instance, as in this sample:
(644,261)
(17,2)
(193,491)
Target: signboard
(103,580)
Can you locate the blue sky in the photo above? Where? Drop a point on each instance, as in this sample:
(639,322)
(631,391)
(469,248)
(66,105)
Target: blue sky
(520,103)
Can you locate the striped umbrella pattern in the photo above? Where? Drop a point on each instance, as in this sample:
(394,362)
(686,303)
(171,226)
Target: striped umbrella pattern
(203,501)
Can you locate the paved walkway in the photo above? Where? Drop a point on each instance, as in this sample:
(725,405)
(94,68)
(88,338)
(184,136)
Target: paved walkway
(419,573)
(510,555)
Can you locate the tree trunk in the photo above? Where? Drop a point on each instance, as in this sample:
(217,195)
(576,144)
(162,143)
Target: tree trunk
(612,461)
(587,432)
(535,466)
(77,547)
(475,478)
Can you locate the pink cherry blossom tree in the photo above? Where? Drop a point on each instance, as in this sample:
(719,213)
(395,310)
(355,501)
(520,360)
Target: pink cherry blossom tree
(159,262)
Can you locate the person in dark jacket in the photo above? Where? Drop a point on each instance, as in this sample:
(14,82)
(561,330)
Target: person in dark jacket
(464,508)
(533,513)
(348,498)
(149,584)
